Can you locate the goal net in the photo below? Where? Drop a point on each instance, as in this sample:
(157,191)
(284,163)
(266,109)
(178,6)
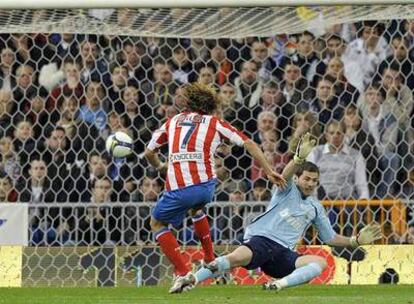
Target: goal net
(206,23)
(71,77)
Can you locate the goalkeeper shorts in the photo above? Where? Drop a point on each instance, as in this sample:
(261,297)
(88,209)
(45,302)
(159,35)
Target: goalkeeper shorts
(273,259)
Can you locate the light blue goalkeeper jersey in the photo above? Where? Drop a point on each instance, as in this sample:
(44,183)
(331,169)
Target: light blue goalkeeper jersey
(288,216)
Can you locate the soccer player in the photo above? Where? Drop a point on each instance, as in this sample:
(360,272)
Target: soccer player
(272,236)
(193,137)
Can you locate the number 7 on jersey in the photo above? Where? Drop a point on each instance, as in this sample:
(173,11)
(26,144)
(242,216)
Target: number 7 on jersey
(190,131)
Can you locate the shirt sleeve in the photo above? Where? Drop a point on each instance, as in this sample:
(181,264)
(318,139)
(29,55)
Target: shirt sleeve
(159,138)
(231,133)
(322,224)
(289,187)
(279,194)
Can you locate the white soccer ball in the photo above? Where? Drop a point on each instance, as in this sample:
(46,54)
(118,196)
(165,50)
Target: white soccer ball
(119,144)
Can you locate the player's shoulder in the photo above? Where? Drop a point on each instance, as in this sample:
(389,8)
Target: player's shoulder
(290,188)
(316,203)
(218,122)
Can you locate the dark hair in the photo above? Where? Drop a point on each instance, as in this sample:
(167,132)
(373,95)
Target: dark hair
(306,33)
(395,66)
(60,128)
(150,178)
(377,26)
(115,65)
(252,61)
(335,37)
(201,98)
(339,123)
(49,131)
(178,49)
(327,78)
(378,87)
(103,156)
(271,84)
(289,61)
(374,85)
(370,23)
(199,66)
(70,60)
(353,107)
(103,178)
(159,61)
(139,45)
(307,166)
(396,36)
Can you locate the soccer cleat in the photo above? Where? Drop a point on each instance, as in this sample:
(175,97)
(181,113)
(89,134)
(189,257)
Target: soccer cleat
(272,285)
(182,283)
(188,287)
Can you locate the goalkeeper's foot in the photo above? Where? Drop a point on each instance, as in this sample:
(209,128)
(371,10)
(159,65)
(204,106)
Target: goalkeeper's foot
(272,285)
(183,283)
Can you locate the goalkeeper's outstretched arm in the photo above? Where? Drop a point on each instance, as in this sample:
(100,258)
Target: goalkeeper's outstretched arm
(367,235)
(304,147)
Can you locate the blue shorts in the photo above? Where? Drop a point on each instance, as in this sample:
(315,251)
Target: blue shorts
(173,205)
(272,258)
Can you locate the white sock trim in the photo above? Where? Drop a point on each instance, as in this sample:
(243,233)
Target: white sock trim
(197,219)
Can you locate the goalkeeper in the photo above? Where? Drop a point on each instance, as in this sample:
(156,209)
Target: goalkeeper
(272,236)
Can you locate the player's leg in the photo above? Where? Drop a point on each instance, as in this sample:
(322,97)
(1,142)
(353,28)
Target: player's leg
(307,268)
(241,256)
(172,208)
(202,231)
(169,210)
(169,246)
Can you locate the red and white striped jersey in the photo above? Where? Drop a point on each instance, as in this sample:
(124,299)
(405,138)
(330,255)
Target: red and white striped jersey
(192,142)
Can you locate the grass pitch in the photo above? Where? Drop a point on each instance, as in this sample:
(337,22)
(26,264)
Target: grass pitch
(397,294)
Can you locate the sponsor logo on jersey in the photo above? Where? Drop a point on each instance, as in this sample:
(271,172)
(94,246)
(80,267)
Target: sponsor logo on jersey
(296,222)
(186,156)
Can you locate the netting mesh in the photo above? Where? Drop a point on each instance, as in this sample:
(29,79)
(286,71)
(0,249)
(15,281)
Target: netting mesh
(205,23)
(83,75)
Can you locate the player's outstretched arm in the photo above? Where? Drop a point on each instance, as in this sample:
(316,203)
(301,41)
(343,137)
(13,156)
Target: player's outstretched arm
(303,149)
(367,235)
(258,155)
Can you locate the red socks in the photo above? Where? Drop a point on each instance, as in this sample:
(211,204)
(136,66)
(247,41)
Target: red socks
(169,246)
(202,230)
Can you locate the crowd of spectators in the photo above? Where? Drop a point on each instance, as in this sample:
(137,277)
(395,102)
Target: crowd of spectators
(61,95)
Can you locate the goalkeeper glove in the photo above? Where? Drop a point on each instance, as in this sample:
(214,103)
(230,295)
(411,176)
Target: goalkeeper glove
(367,235)
(305,146)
